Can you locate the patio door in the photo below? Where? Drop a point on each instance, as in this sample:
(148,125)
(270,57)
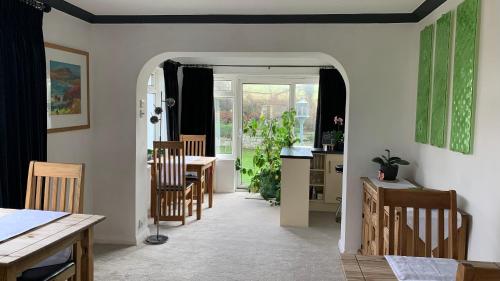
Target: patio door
(260,99)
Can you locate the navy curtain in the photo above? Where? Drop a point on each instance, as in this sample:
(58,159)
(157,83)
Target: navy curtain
(172,91)
(23,102)
(197,116)
(331,102)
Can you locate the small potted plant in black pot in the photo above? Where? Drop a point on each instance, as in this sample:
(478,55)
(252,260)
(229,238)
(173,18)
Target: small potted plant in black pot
(389,166)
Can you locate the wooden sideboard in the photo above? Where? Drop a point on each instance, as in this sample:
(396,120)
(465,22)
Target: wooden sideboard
(369,225)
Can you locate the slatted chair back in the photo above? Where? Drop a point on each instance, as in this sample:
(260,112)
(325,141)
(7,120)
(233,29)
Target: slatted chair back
(55,187)
(169,176)
(469,272)
(194,144)
(401,200)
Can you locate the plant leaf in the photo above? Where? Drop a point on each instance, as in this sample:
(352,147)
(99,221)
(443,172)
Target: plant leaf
(401,162)
(378,160)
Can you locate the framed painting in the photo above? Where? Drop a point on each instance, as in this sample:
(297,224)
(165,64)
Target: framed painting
(67,89)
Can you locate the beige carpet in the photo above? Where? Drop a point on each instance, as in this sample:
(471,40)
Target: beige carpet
(238,239)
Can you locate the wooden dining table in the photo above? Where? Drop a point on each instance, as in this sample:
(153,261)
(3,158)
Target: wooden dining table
(200,165)
(376,268)
(30,248)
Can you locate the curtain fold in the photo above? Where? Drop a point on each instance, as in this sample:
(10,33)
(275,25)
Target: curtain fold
(331,102)
(197,114)
(23,102)
(170,69)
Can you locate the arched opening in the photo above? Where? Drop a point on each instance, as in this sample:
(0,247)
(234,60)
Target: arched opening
(142,175)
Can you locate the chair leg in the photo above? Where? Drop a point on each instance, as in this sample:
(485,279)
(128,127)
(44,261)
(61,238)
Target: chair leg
(183,214)
(191,203)
(203,193)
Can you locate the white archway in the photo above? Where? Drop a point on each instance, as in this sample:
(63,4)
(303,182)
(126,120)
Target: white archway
(141,175)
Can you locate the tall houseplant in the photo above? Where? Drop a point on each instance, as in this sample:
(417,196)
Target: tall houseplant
(275,134)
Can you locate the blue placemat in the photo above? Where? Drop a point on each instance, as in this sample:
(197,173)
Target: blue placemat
(21,221)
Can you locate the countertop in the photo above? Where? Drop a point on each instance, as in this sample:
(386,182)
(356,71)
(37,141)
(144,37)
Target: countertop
(322,151)
(296,153)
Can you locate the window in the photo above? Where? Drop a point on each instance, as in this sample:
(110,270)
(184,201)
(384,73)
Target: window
(155,87)
(223,103)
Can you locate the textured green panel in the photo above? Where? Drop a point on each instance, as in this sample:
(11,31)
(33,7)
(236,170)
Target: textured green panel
(464,77)
(439,114)
(424,84)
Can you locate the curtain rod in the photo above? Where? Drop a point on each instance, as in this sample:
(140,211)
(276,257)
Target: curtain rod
(252,65)
(39,5)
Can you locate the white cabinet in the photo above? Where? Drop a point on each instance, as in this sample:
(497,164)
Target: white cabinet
(333,180)
(325,185)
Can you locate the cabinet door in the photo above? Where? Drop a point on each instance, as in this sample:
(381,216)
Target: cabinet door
(333,180)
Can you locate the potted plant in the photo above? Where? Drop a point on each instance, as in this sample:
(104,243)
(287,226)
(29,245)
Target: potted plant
(338,133)
(274,134)
(335,139)
(389,166)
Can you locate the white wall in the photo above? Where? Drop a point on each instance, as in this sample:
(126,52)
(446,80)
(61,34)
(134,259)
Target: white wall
(473,176)
(378,60)
(74,146)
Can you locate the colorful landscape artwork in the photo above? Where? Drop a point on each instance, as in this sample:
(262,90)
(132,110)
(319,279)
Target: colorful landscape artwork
(65,88)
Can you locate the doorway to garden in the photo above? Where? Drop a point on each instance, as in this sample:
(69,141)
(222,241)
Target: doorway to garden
(266,97)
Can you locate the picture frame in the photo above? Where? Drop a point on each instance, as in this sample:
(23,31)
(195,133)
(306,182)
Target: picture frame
(68,93)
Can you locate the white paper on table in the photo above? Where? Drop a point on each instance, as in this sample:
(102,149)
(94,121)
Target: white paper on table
(401,184)
(423,269)
(190,158)
(434,224)
(21,221)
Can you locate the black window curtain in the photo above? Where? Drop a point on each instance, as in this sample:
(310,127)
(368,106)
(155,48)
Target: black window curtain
(197,116)
(23,102)
(170,69)
(331,102)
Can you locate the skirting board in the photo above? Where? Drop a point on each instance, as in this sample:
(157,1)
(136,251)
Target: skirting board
(114,241)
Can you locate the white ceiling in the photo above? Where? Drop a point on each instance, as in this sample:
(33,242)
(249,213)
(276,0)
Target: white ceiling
(194,7)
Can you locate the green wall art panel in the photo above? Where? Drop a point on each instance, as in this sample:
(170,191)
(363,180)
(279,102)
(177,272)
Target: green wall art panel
(424,84)
(439,113)
(464,77)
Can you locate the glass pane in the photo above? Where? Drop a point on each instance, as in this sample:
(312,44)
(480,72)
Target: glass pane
(260,99)
(223,125)
(151,81)
(306,103)
(223,88)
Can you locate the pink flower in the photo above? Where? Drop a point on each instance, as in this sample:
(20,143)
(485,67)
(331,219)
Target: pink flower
(338,121)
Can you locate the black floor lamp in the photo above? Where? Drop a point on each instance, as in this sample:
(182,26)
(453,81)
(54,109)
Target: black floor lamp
(158,238)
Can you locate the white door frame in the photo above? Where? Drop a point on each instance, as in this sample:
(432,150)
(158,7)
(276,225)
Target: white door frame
(237,84)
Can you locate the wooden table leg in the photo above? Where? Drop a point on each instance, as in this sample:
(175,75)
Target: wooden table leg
(7,274)
(77,257)
(211,185)
(199,195)
(87,264)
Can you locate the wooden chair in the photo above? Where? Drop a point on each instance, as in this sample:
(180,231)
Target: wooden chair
(169,179)
(393,202)
(55,187)
(195,145)
(469,272)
